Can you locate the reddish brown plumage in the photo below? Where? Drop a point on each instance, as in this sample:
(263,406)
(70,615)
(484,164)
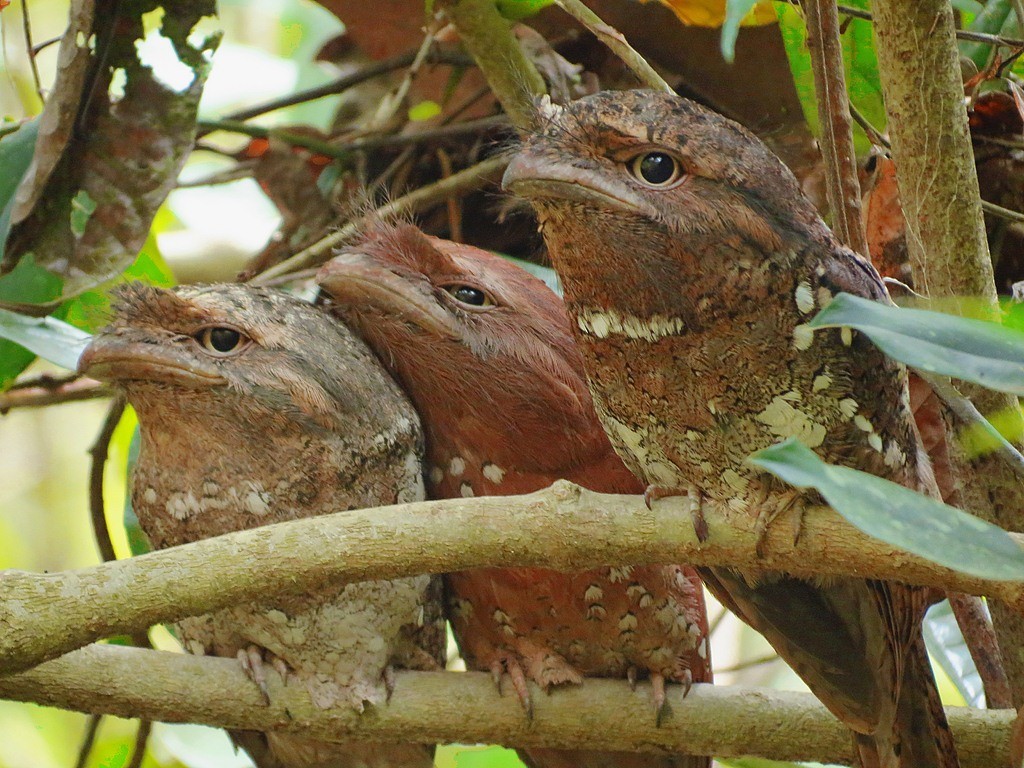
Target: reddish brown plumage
(506,410)
(691,264)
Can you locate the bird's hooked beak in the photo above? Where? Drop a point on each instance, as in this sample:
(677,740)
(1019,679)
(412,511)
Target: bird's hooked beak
(123,355)
(356,281)
(542,177)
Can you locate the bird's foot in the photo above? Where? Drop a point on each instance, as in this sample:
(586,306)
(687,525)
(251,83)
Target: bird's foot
(767,515)
(541,665)
(253,659)
(700,526)
(658,698)
(514,669)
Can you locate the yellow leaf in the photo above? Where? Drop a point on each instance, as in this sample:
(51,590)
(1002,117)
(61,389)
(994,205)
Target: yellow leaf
(711,13)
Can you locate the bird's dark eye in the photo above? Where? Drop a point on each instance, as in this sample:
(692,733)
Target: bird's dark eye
(656,169)
(221,340)
(467,294)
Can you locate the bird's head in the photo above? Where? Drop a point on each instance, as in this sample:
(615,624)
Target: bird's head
(252,357)
(482,347)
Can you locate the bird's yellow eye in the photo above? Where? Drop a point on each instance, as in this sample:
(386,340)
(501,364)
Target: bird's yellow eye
(222,340)
(468,294)
(657,170)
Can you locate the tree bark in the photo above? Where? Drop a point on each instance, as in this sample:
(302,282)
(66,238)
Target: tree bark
(564,527)
(444,707)
(924,98)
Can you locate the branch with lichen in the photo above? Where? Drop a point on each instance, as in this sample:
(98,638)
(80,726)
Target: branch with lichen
(919,65)
(443,707)
(563,527)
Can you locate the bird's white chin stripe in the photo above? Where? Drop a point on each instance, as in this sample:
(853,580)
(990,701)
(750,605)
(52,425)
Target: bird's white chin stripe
(604,323)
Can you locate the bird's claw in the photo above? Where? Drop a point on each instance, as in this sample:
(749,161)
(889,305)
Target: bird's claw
(700,525)
(658,698)
(251,659)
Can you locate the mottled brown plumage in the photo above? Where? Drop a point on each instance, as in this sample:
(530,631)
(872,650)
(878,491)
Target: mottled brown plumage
(256,408)
(485,351)
(691,264)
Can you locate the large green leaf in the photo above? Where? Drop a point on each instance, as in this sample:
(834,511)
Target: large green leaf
(16,150)
(27,283)
(898,516)
(47,337)
(984,353)
(862,80)
(794,37)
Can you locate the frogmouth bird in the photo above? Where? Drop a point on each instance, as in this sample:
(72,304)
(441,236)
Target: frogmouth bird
(485,351)
(256,408)
(691,264)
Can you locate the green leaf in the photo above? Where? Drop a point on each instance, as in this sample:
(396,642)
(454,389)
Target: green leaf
(521,9)
(947,646)
(735,11)
(862,80)
(898,516)
(16,150)
(548,275)
(989,20)
(794,37)
(27,283)
(424,110)
(973,350)
(47,337)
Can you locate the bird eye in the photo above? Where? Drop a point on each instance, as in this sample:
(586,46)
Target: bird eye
(656,169)
(221,340)
(467,294)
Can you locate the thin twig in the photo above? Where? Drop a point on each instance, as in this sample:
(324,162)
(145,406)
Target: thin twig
(999,142)
(837,149)
(46,391)
(1001,212)
(98,455)
(980,637)
(141,741)
(291,277)
(325,147)
(757,661)
(616,42)
(968,414)
(389,105)
(424,197)
(368,72)
(26,23)
(961,34)
(716,622)
(40,47)
(453,204)
(92,726)
(874,135)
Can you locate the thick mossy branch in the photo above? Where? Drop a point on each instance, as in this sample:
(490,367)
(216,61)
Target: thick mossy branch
(919,67)
(564,527)
(488,38)
(444,707)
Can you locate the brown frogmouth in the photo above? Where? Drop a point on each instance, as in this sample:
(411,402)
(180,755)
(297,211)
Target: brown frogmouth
(691,263)
(256,408)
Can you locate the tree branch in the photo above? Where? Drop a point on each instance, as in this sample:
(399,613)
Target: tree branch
(564,527)
(444,707)
(919,67)
(488,37)
(842,186)
(467,179)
